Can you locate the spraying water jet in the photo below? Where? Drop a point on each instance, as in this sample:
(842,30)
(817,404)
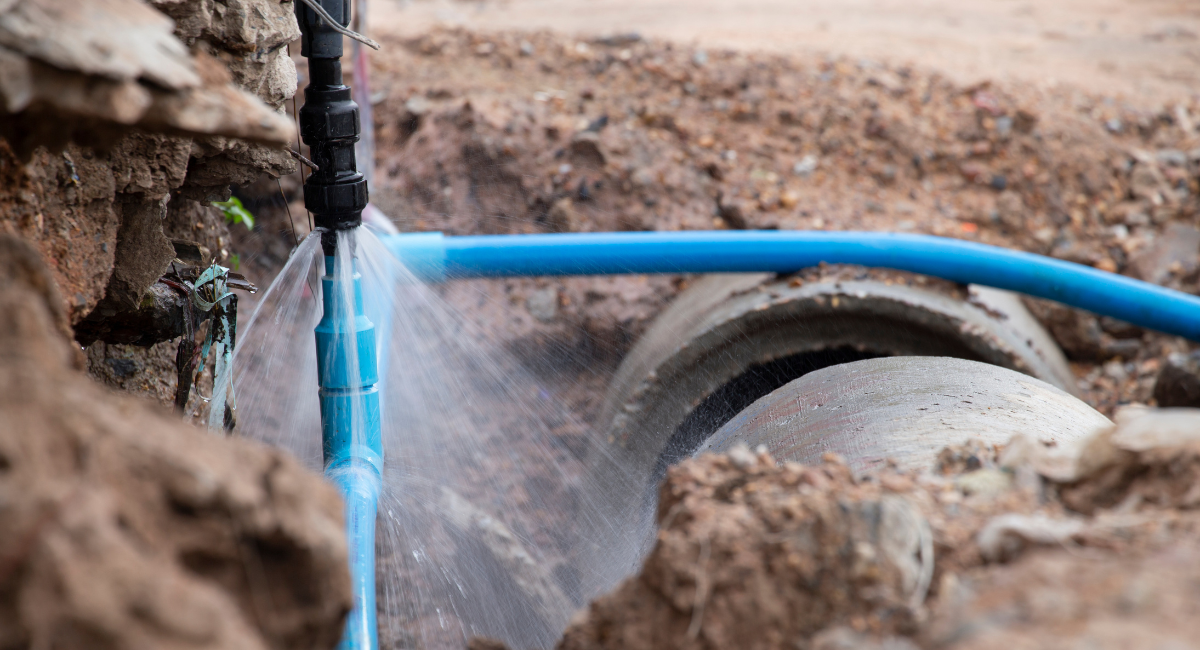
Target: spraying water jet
(352,348)
(348,374)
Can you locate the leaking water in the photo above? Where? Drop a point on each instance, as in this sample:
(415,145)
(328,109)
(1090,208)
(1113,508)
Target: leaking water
(488,523)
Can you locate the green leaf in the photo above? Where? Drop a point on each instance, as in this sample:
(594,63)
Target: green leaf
(235,212)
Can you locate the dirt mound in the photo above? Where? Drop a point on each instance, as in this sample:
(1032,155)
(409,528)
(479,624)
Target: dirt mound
(124,528)
(750,555)
(1027,545)
(533,132)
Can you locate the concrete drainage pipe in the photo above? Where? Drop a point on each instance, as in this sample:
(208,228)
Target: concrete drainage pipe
(731,339)
(904,410)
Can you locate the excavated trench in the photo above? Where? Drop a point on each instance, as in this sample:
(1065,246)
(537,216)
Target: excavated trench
(466,146)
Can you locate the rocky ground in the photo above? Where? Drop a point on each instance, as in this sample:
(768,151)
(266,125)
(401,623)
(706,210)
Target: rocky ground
(113,148)
(1020,546)
(524,131)
(126,528)
(532,132)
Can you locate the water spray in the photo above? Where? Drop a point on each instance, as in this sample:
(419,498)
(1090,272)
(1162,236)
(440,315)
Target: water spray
(349,343)
(336,194)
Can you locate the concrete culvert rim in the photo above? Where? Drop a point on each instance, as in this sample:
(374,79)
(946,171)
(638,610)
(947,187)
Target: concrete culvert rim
(727,401)
(728,340)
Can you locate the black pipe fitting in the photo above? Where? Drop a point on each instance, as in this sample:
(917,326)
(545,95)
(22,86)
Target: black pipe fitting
(336,192)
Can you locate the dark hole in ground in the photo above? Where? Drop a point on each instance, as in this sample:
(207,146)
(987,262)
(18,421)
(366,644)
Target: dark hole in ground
(742,391)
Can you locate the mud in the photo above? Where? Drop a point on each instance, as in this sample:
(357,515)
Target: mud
(1022,545)
(125,528)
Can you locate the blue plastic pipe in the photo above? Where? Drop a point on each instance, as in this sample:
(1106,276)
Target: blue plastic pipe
(352,440)
(434,257)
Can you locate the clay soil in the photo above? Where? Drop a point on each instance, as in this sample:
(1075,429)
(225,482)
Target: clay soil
(521,132)
(1137,48)
(534,132)
(1003,550)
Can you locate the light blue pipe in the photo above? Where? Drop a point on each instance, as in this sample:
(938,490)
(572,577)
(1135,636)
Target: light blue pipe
(434,257)
(353,461)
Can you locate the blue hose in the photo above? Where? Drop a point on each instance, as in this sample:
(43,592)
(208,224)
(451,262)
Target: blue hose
(434,257)
(348,375)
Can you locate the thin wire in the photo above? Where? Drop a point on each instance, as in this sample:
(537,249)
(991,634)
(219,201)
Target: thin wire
(291,222)
(312,4)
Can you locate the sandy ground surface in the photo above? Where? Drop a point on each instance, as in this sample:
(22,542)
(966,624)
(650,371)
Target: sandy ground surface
(1149,49)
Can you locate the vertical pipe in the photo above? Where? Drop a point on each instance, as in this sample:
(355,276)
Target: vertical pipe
(336,194)
(347,370)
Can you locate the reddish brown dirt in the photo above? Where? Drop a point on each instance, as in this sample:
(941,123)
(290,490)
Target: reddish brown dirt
(1135,48)
(531,132)
(1036,548)
(124,528)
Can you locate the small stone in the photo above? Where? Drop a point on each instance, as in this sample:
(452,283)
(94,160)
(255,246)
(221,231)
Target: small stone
(974,172)
(1172,157)
(585,150)
(1178,244)
(1010,209)
(1178,383)
(805,166)
(543,304)
(699,58)
(742,457)
(986,482)
(734,211)
(526,48)
(1146,182)
(417,105)
(563,217)
(642,177)
(618,40)
(1004,125)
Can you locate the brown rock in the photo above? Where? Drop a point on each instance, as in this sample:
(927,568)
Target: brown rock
(1178,246)
(585,151)
(753,556)
(563,217)
(86,71)
(124,528)
(143,253)
(1178,383)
